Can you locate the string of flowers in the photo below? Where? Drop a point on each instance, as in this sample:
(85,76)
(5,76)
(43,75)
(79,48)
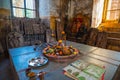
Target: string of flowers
(64,37)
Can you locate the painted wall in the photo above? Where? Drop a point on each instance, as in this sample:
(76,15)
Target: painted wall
(1,3)
(44,8)
(74,7)
(48,8)
(60,9)
(44,11)
(81,6)
(54,7)
(5,4)
(71,8)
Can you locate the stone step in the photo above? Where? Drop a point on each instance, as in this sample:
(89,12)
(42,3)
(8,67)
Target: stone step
(113,41)
(114,34)
(111,38)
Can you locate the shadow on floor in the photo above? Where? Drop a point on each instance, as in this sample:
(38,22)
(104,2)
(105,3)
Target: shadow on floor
(5,70)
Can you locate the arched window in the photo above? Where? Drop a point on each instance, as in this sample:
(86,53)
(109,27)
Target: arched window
(24,8)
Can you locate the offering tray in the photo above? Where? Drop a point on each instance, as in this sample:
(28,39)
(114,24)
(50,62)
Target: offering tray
(59,52)
(38,61)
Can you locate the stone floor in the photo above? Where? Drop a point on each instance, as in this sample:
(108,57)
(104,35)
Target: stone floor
(5,70)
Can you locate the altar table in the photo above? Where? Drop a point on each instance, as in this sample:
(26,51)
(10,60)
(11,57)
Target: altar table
(19,58)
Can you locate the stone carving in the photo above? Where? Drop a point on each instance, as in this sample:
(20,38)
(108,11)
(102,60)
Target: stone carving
(14,39)
(101,40)
(33,30)
(92,35)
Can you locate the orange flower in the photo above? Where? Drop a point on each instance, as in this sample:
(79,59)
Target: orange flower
(53,35)
(63,32)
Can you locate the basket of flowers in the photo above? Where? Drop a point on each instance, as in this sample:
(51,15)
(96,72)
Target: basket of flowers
(60,52)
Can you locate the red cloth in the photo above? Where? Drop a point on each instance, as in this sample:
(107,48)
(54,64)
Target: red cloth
(103,76)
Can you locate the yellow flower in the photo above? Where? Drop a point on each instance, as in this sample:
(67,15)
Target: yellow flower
(74,52)
(60,41)
(71,46)
(53,35)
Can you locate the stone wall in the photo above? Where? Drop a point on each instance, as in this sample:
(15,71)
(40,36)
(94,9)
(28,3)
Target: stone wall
(71,7)
(5,4)
(80,6)
(66,10)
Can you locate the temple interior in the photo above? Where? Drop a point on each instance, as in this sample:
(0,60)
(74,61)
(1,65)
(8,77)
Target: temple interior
(75,23)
